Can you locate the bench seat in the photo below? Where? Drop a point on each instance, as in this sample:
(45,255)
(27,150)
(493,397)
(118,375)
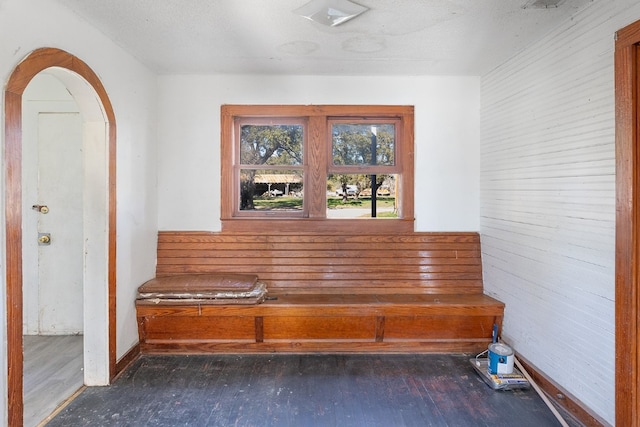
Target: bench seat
(323,323)
(341,292)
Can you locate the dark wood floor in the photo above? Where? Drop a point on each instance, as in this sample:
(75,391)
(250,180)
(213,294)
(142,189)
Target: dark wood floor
(303,390)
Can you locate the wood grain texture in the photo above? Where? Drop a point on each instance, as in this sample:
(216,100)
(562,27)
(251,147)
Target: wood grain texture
(310,328)
(446,263)
(327,305)
(34,63)
(13,254)
(330,292)
(188,347)
(627,79)
(316,178)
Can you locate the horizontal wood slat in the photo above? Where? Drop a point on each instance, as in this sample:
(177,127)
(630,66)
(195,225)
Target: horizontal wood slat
(328,305)
(317,346)
(414,263)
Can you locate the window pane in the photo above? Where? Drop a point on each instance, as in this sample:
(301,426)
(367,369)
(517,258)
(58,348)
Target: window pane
(361,196)
(363,144)
(271,190)
(271,144)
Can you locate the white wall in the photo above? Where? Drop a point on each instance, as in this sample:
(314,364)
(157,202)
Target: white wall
(31,24)
(548,200)
(446,139)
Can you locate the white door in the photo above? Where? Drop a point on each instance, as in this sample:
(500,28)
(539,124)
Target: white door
(60,189)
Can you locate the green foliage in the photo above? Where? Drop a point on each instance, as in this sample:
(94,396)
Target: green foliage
(267,145)
(271,145)
(282,145)
(353,144)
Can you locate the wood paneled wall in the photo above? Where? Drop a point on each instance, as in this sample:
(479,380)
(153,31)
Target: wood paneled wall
(414,263)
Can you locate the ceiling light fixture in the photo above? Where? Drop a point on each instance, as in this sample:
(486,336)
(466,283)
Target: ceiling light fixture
(330,12)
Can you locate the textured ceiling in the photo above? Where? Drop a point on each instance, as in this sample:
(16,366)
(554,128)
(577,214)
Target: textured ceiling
(394,37)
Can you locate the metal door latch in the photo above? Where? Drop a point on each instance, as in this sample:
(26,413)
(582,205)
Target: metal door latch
(44,239)
(44,209)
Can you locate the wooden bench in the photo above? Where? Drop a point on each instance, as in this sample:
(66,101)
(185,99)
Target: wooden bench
(418,292)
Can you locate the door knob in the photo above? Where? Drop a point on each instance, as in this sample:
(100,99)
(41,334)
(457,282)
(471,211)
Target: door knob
(41,208)
(44,239)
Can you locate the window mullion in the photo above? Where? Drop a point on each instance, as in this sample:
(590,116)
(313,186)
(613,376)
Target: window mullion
(316,166)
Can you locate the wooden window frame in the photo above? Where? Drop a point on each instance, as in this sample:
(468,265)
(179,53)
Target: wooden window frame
(237,165)
(317,166)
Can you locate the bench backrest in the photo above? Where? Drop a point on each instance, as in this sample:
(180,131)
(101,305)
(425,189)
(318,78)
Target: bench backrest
(415,263)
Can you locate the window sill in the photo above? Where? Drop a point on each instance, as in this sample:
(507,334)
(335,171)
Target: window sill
(329,226)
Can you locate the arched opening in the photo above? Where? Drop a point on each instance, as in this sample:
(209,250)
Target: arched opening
(99,309)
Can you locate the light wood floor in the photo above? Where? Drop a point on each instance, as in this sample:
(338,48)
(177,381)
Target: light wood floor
(53,371)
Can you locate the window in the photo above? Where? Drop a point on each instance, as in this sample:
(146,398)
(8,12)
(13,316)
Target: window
(269,171)
(362,164)
(297,165)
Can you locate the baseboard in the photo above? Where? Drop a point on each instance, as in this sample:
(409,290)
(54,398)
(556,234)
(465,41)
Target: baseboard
(563,399)
(127,359)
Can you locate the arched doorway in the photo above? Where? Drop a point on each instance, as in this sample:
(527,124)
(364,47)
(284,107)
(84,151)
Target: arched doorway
(88,91)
